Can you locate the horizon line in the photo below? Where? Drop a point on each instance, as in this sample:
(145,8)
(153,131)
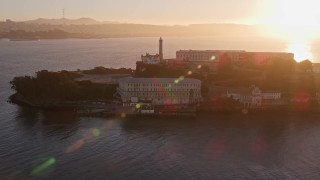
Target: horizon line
(142,23)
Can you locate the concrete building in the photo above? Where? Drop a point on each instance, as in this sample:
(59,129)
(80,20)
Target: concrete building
(207,55)
(264,58)
(236,57)
(160,91)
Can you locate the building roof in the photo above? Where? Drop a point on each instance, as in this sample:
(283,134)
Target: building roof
(211,51)
(219,51)
(159,80)
(270,52)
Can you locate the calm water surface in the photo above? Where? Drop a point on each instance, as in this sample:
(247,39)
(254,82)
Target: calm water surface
(36,144)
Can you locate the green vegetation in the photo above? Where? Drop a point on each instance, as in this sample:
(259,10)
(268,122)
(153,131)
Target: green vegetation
(280,75)
(103,70)
(52,88)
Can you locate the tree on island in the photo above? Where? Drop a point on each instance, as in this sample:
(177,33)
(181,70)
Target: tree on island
(225,64)
(46,86)
(51,88)
(103,70)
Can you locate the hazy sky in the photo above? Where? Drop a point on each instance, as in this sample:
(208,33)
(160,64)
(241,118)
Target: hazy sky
(295,20)
(139,11)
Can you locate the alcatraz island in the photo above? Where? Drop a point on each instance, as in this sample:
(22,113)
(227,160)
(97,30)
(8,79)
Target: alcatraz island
(195,81)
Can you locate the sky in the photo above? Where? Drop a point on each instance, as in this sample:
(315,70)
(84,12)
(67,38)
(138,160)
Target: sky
(136,11)
(297,21)
(294,20)
(288,12)
(292,12)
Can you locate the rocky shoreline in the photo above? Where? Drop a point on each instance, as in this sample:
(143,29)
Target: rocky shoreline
(101,109)
(23,101)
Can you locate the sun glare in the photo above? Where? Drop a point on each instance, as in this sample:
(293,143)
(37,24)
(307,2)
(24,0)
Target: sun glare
(300,49)
(296,22)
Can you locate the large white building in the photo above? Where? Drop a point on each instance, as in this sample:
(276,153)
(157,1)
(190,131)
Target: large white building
(160,91)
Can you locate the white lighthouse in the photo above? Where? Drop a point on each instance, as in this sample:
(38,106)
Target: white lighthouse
(154,59)
(161,49)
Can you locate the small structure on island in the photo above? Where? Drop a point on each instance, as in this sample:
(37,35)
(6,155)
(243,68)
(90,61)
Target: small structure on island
(154,59)
(159,91)
(150,59)
(254,97)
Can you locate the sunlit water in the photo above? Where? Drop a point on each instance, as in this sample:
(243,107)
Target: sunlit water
(35,144)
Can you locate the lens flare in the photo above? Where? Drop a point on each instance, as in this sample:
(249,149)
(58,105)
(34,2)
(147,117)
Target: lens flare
(245,111)
(301,49)
(96,132)
(41,168)
(75,146)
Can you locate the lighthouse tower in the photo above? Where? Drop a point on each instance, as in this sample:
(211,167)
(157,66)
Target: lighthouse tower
(161,49)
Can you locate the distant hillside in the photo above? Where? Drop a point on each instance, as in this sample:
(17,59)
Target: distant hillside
(81,21)
(91,28)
